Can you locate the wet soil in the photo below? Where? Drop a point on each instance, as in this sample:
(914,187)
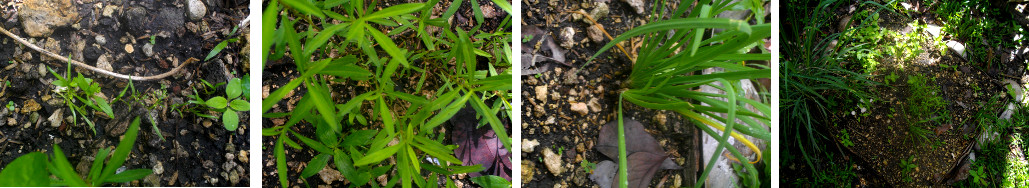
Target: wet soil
(547,117)
(195,151)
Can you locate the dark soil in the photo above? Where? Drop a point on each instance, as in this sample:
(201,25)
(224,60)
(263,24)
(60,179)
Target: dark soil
(196,151)
(550,121)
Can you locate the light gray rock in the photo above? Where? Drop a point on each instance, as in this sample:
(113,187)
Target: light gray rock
(553,162)
(196,9)
(40,17)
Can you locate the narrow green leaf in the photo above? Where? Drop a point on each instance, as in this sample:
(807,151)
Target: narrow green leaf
(387,116)
(323,103)
(320,39)
(446,113)
(98,164)
(129,175)
(503,4)
(317,146)
(217,102)
(494,122)
(305,7)
(315,165)
(387,44)
(230,119)
(436,149)
(217,49)
(280,161)
(270,18)
(359,138)
(122,152)
(393,11)
(63,170)
(491,181)
(378,156)
(100,102)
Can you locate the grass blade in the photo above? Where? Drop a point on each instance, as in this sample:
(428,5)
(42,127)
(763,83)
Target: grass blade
(122,152)
(305,7)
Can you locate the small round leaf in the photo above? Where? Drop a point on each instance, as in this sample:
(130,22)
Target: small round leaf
(217,102)
(233,89)
(231,120)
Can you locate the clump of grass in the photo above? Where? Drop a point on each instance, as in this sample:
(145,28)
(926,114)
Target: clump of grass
(924,106)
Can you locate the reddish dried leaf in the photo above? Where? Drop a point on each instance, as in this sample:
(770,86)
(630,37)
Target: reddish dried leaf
(479,145)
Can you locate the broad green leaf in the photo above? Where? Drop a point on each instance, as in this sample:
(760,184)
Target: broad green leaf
(491,181)
(129,175)
(217,102)
(234,88)
(122,152)
(240,105)
(393,11)
(63,170)
(378,156)
(29,170)
(230,119)
(315,165)
(305,7)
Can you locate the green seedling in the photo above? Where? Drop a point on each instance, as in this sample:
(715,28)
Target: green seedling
(845,139)
(80,89)
(229,105)
(906,167)
(587,166)
(10,105)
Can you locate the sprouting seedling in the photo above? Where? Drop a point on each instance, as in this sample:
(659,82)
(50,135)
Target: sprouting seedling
(153,39)
(10,105)
(234,92)
(527,38)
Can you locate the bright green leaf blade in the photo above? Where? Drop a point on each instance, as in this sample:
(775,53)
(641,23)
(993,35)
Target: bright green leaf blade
(393,11)
(122,152)
(503,4)
(230,119)
(233,89)
(320,39)
(29,170)
(271,17)
(100,102)
(378,156)
(315,165)
(217,49)
(323,104)
(491,181)
(240,105)
(98,164)
(217,102)
(305,7)
(63,170)
(129,175)
(280,161)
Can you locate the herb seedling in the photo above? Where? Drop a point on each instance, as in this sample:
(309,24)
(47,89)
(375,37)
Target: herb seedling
(229,105)
(80,88)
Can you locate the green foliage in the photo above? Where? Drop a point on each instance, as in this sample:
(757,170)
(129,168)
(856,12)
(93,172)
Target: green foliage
(660,76)
(891,78)
(845,138)
(333,42)
(229,105)
(924,107)
(587,166)
(80,90)
(221,45)
(811,70)
(491,181)
(837,174)
(982,27)
(906,167)
(34,169)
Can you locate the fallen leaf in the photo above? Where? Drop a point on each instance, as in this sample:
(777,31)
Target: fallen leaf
(479,145)
(645,155)
(539,51)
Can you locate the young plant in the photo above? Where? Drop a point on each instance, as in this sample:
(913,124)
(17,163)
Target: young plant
(906,166)
(234,101)
(75,89)
(345,44)
(35,169)
(662,77)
